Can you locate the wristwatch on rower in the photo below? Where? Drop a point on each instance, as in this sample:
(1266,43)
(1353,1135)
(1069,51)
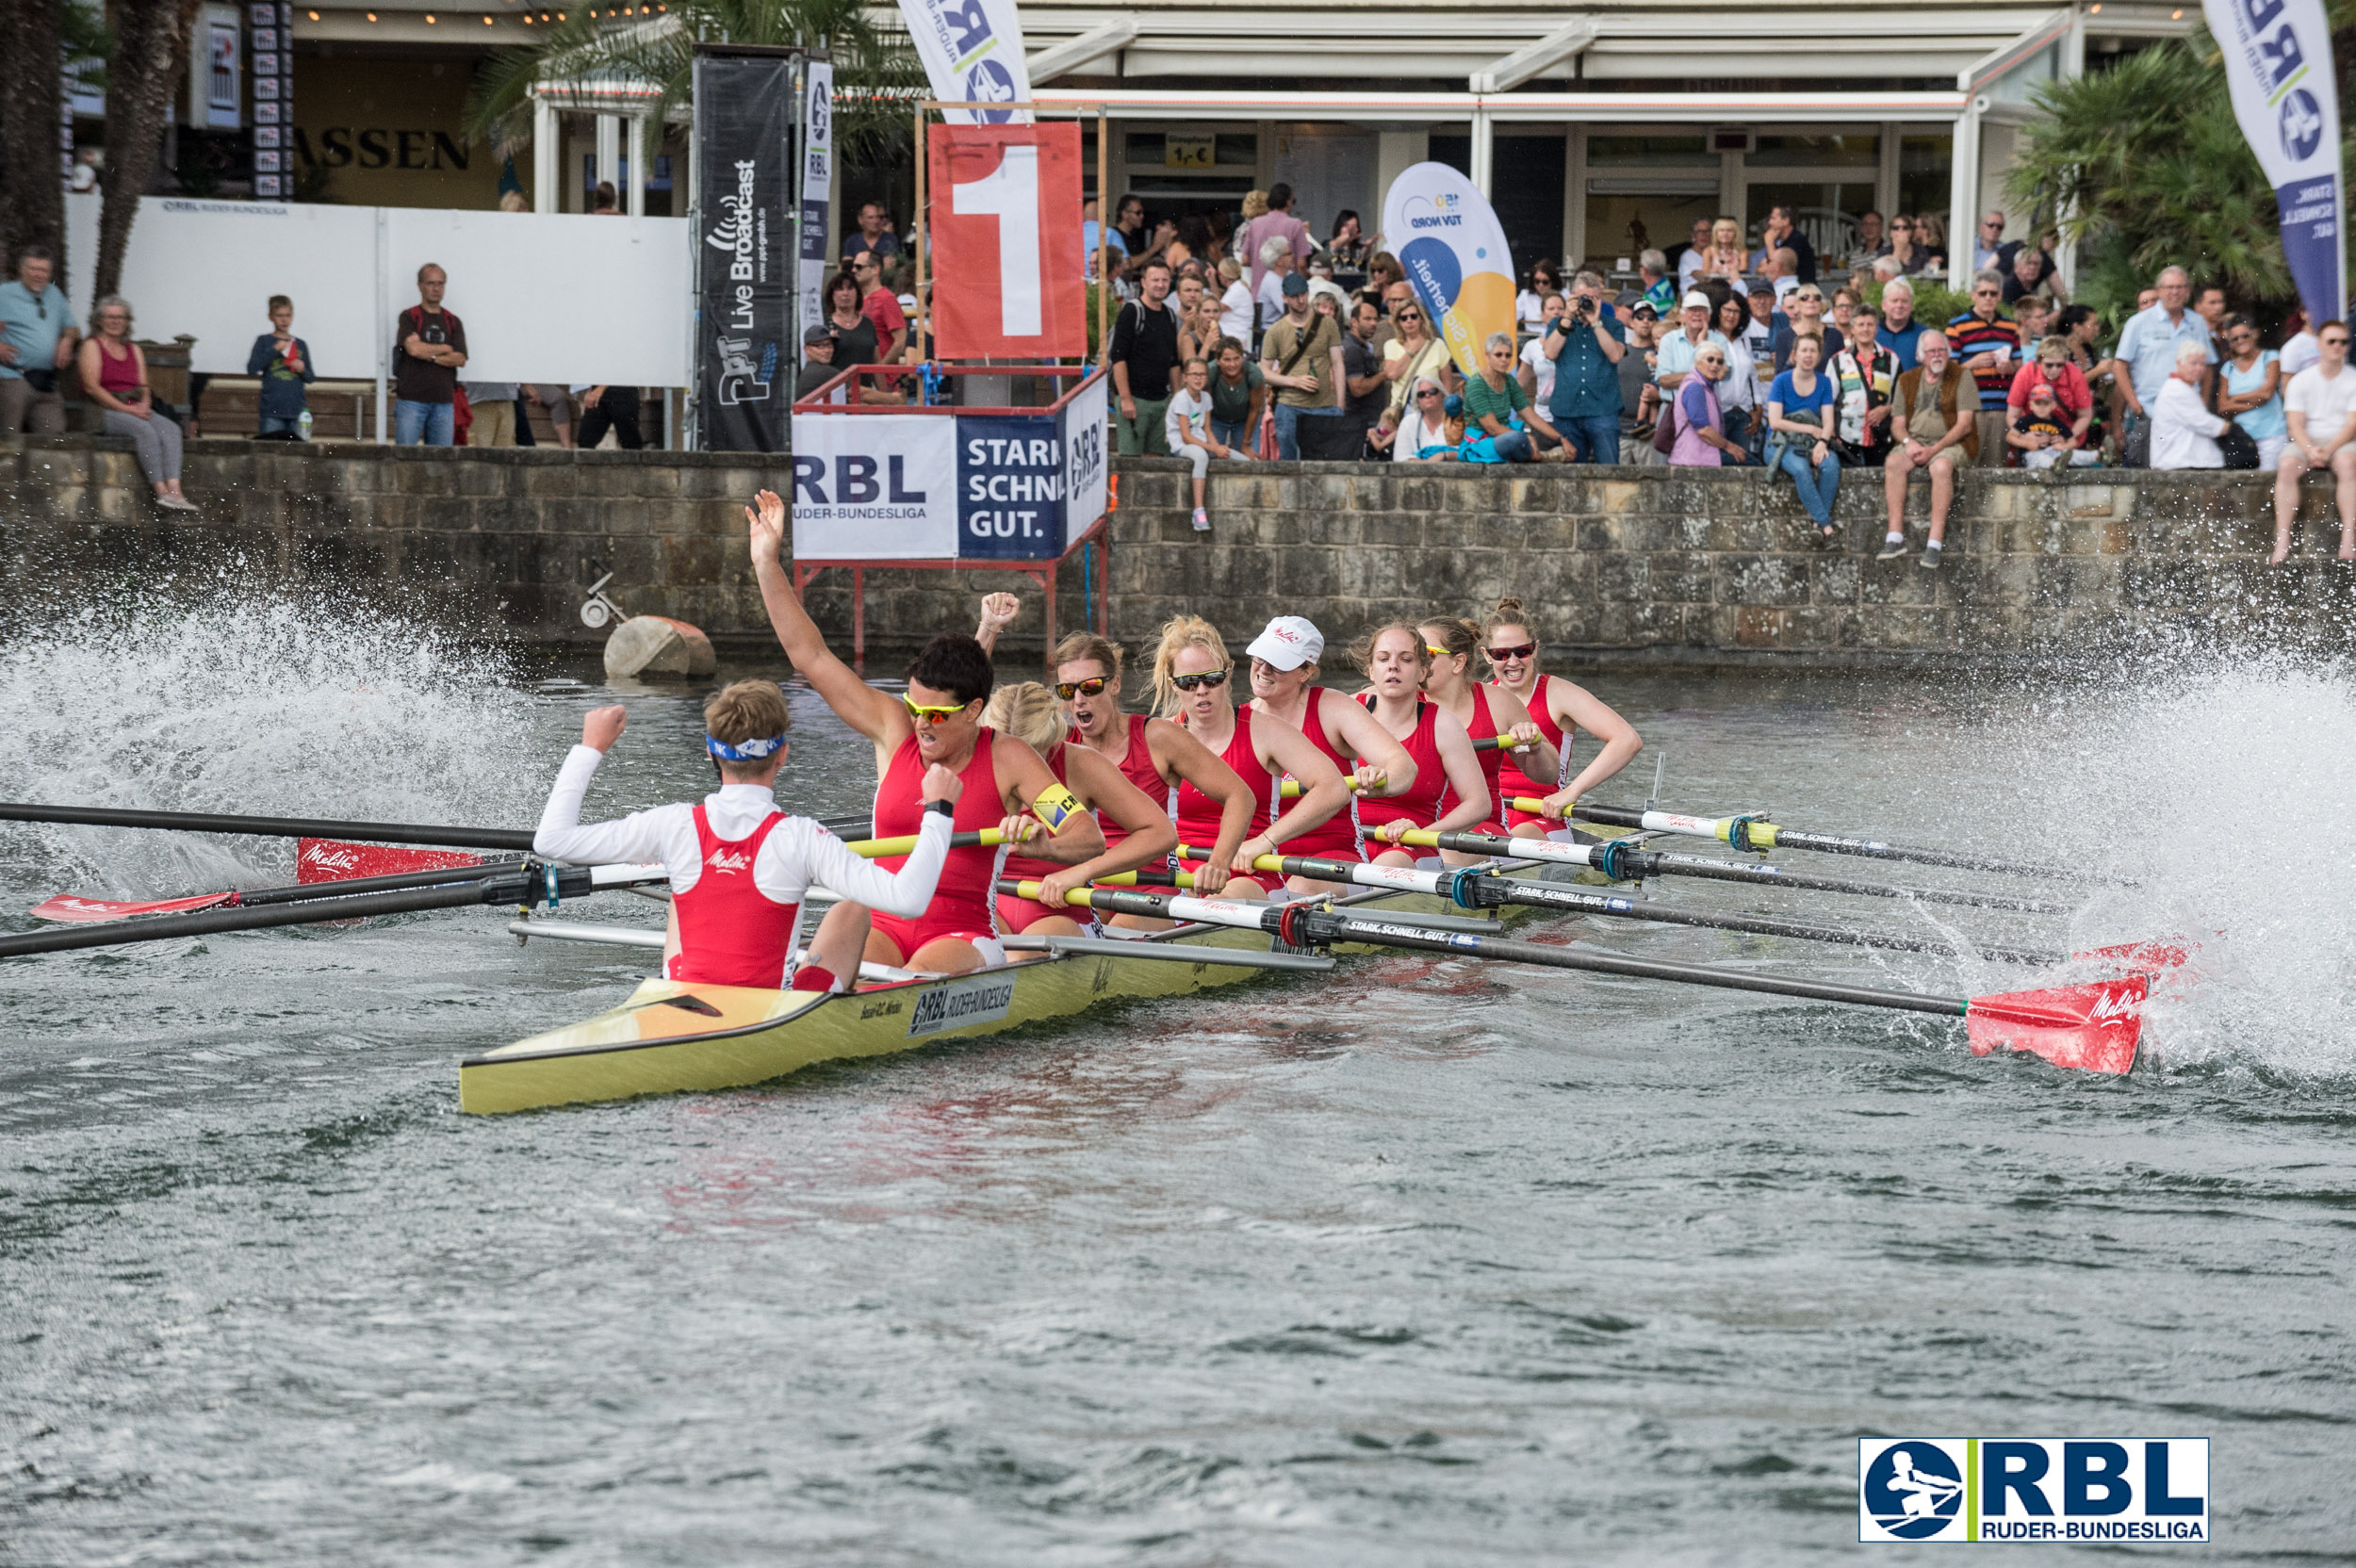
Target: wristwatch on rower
(946,807)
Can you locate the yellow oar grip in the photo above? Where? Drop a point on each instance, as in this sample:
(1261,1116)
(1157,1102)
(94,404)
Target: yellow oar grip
(1129,879)
(1422,837)
(1030,891)
(872,849)
(1290,788)
(1532,803)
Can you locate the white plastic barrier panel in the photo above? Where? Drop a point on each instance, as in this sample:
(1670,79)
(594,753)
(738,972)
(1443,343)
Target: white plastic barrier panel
(543,296)
(876,487)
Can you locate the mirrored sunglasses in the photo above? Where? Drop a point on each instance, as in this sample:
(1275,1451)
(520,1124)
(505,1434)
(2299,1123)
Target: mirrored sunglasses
(1069,689)
(1208,678)
(922,714)
(1519,650)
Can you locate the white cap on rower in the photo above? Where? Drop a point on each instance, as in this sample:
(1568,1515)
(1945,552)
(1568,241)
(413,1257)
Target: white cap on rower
(1289,641)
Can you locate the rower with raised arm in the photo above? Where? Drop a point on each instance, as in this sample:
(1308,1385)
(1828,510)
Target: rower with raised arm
(1560,708)
(739,868)
(1193,680)
(1137,830)
(1450,793)
(1284,685)
(1154,754)
(1487,712)
(937,722)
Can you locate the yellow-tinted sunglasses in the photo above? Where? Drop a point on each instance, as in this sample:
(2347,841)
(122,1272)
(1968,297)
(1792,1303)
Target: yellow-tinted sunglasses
(920,713)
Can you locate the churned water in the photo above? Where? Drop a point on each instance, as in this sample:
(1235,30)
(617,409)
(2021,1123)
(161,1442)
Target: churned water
(1420,1262)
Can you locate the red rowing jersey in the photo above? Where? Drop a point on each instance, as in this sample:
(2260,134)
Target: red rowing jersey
(1338,837)
(1136,766)
(1024,867)
(730,933)
(963,894)
(1511,781)
(1426,803)
(1198,815)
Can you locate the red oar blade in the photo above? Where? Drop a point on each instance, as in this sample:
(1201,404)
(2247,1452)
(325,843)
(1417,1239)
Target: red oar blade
(2164,954)
(75,910)
(336,860)
(2094,1028)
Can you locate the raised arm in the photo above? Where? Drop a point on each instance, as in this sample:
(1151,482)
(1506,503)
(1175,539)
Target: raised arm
(998,613)
(562,836)
(876,715)
(1179,755)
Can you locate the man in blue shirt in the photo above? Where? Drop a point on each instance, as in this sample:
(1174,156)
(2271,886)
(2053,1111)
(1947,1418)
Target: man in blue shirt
(1586,343)
(1900,332)
(37,339)
(2148,347)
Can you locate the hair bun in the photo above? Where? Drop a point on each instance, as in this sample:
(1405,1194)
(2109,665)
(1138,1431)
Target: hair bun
(1509,607)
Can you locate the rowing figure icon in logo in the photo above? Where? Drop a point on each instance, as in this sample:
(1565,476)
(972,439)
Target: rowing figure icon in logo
(2301,124)
(991,83)
(1913,1490)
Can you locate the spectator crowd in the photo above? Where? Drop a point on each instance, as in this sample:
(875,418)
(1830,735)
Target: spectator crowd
(1255,337)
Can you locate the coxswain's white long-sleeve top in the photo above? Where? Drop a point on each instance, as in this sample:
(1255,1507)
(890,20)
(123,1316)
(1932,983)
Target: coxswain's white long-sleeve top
(798,854)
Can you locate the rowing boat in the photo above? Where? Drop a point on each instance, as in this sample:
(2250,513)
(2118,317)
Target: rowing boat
(673,1036)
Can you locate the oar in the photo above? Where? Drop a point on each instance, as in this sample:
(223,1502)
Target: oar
(1290,788)
(2094,1026)
(1473,889)
(875,848)
(523,884)
(1758,833)
(1627,862)
(74,909)
(295,827)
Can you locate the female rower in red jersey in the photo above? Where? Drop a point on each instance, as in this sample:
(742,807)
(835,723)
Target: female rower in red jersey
(1487,711)
(1194,684)
(1560,708)
(1137,830)
(1284,685)
(1450,794)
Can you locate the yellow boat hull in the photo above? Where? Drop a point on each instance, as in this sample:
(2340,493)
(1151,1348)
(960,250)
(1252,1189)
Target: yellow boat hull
(673,1038)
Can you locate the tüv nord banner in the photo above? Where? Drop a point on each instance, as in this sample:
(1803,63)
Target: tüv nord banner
(2278,61)
(1448,239)
(973,53)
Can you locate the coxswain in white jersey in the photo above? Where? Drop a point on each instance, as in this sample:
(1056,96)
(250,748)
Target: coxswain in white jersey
(936,723)
(739,868)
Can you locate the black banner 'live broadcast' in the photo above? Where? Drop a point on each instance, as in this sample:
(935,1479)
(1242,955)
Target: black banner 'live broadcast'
(745,127)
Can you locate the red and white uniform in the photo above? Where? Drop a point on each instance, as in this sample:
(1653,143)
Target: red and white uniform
(1337,837)
(1509,780)
(1019,914)
(740,870)
(1198,815)
(1136,766)
(962,900)
(1483,728)
(1426,803)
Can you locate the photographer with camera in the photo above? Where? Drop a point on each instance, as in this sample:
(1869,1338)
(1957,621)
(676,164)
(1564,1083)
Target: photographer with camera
(1586,343)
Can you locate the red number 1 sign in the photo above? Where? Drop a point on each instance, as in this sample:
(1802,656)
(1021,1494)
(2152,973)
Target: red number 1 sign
(1004,222)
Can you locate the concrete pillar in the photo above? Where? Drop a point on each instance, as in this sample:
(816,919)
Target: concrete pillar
(1963,189)
(610,149)
(637,166)
(1575,196)
(546,153)
(1484,150)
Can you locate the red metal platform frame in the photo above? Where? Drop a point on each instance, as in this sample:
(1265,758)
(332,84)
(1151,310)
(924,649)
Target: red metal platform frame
(1097,536)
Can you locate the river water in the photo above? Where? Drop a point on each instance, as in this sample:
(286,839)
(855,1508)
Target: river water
(1420,1263)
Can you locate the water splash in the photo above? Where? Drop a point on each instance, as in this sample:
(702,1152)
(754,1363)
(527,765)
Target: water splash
(223,698)
(2225,787)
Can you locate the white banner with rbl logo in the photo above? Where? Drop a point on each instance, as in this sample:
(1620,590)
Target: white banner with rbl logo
(948,486)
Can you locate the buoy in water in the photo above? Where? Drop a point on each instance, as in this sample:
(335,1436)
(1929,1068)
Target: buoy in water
(659,645)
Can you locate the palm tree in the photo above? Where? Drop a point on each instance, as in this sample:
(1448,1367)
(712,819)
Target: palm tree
(876,70)
(2151,169)
(44,38)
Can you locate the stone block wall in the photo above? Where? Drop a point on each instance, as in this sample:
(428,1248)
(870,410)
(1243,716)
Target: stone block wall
(1625,563)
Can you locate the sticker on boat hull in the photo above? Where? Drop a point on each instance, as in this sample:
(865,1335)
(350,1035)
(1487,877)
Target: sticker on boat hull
(961,1003)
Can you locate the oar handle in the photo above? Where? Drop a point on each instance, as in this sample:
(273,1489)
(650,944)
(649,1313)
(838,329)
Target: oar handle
(1151,879)
(272,828)
(1290,788)
(871,849)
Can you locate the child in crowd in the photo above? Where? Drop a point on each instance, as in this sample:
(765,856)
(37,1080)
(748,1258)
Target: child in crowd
(2042,432)
(283,362)
(1189,428)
